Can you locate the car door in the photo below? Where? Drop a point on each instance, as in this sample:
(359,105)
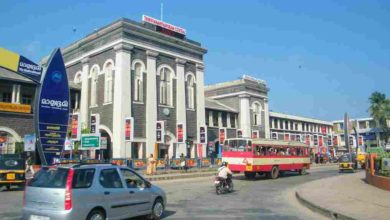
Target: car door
(140,197)
(114,192)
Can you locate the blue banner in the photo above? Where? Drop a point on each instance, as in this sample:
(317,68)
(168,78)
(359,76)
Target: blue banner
(53,105)
(29,69)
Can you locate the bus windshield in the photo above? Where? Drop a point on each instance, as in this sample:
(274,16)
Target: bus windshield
(240,145)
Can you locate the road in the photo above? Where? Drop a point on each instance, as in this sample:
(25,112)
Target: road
(196,199)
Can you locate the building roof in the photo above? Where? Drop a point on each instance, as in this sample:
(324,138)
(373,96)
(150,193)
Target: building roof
(240,81)
(299,118)
(354,119)
(216,105)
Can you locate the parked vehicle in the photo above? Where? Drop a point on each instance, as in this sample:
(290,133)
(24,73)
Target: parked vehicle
(223,185)
(12,170)
(91,191)
(346,163)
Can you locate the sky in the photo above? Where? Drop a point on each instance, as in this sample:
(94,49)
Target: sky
(320,59)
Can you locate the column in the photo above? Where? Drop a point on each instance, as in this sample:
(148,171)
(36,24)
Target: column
(228,120)
(151,102)
(122,102)
(245,122)
(181,103)
(14,91)
(84,93)
(220,120)
(18,94)
(200,104)
(266,125)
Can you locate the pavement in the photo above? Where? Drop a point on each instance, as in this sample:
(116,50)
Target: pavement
(345,197)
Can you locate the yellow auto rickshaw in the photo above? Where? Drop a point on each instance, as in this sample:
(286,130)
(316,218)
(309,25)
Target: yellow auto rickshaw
(12,170)
(346,163)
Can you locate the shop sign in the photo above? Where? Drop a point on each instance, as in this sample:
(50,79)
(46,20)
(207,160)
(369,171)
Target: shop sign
(129,132)
(53,105)
(12,107)
(29,142)
(180,133)
(164,25)
(202,134)
(222,135)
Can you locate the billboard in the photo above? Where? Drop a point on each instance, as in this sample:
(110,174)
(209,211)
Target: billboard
(75,125)
(52,109)
(160,131)
(94,124)
(29,142)
(222,135)
(180,133)
(129,129)
(202,134)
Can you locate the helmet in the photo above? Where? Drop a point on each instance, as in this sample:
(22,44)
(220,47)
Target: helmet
(224,164)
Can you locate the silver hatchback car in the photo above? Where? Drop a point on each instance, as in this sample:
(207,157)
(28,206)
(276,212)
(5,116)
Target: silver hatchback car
(92,192)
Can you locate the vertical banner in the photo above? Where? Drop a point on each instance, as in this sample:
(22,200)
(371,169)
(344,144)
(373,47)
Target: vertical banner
(75,125)
(274,136)
(320,140)
(52,109)
(360,140)
(307,141)
(94,124)
(180,133)
(29,142)
(330,140)
(315,140)
(200,151)
(68,144)
(222,135)
(255,134)
(298,138)
(129,129)
(286,137)
(160,131)
(335,141)
(323,129)
(202,134)
(239,133)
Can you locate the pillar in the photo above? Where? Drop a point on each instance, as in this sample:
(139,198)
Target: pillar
(245,122)
(84,93)
(181,103)
(200,104)
(266,125)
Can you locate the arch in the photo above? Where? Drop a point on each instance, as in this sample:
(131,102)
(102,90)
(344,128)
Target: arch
(12,132)
(109,61)
(108,70)
(77,77)
(135,61)
(257,103)
(91,71)
(106,129)
(168,67)
(190,74)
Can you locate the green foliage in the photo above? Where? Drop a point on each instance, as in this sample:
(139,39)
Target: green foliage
(380,111)
(19,147)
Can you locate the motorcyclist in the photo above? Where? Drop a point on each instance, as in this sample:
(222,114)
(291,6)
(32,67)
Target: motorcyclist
(224,171)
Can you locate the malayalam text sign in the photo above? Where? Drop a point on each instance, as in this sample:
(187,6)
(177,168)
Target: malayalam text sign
(90,141)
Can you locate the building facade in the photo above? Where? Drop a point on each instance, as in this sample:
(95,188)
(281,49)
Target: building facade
(128,69)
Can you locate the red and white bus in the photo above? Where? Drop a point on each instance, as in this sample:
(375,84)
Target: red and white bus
(271,157)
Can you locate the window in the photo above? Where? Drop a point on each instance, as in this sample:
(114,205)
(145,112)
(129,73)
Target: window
(256,111)
(275,123)
(109,178)
(83,178)
(26,99)
(190,91)
(6,97)
(50,178)
(132,180)
(108,69)
(362,125)
(291,125)
(281,124)
(94,80)
(232,120)
(224,119)
(77,78)
(296,126)
(138,82)
(207,118)
(286,125)
(165,86)
(215,119)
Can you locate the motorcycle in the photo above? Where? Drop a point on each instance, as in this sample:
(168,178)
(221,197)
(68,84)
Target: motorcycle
(222,185)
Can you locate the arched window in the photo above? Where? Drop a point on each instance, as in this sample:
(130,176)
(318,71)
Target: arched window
(108,69)
(138,82)
(165,86)
(77,78)
(94,81)
(190,91)
(256,111)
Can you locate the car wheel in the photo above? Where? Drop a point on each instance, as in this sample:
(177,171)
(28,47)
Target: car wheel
(157,210)
(96,214)
(302,171)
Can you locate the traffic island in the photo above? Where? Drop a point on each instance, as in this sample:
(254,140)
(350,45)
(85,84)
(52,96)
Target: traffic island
(346,196)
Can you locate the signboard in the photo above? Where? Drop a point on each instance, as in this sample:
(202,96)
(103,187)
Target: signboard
(129,132)
(52,109)
(103,143)
(180,133)
(165,28)
(94,124)
(320,140)
(68,144)
(13,107)
(286,137)
(330,140)
(335,141)
(90,141)
(315,140)
(255,134)
(20,65)
(360,141)
(274,136)
(160,131)
(29,142)
(76,131)
(222,135)
(323,129)
(239,133)
(202,134)
(307,141)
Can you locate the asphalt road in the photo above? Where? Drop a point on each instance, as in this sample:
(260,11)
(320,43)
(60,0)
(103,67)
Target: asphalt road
(196,198)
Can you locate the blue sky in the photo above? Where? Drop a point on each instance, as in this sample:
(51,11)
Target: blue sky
(319,58)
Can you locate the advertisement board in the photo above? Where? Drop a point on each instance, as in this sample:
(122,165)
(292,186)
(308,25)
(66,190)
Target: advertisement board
(29,142)
(202,134)
(129,132)
(239,133)
(75,125)
(160,131)
(180,133)
(68,144)
(94,124)
(52,109)
(13,107)
(222,135)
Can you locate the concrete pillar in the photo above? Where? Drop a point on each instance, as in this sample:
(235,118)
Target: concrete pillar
(84,93)
(228,120)
(266,122)
(151,102)
(122,102)
(245,122)
(181,103)
(220,119)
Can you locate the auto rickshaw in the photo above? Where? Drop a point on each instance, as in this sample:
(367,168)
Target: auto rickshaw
(346,163)
(12,170)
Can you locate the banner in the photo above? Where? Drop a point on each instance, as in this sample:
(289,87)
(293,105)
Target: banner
(255,134)
(315,140)
(360,140)
(222,135)
(307,139)
(320,141)
(13,107)
(274,136)
(29,142)
(200,151)
(94,124)
(160,131)
(129,132)
(180,133)
(202,134)
(52,109)
(286,137)
(76,131)
(239,133)
(335,141)
(68,144)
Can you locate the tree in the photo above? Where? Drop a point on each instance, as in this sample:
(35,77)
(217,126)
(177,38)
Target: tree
(380,112)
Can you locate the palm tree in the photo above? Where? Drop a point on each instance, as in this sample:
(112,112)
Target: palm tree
(380,112)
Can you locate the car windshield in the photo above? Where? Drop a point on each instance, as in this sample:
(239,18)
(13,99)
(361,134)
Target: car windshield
(50,178)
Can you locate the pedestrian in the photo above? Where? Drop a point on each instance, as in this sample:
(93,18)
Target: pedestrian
(29,166)
(150,168)
(182,161)
(166,159)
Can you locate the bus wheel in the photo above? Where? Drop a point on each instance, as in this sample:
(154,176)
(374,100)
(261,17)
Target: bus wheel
(250,175)
(302,171)
(275,172)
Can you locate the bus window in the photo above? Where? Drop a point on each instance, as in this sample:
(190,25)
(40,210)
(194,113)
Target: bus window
(249,146)
(241,145)
(257,150)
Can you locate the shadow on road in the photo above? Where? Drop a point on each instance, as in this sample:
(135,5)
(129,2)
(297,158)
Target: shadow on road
(167,213)
(12,189)
(262,177)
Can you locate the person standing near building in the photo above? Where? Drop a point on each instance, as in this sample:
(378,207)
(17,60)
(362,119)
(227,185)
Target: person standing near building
(150,169)
(29,166)
(166,160)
